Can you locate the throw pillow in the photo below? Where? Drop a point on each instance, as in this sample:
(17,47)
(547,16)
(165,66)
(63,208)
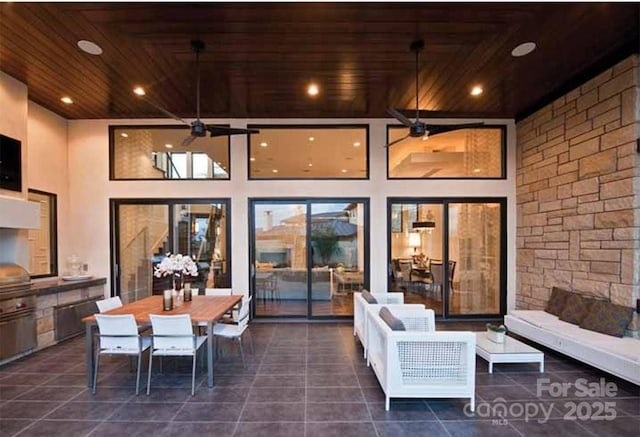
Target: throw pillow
(607,318)
(394,323)
(368,297)
(575,309)
(557,301)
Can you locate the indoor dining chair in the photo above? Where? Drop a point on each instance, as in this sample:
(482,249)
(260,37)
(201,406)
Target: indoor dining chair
(118,335)
(173,337)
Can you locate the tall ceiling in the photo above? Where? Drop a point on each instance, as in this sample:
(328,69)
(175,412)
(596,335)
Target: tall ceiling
(260,57)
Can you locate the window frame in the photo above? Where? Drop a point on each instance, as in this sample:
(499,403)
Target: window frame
(503,152)
(53,232)
(112,169)
(364,126)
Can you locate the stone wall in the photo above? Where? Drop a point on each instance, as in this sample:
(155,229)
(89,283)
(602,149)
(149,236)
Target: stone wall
(578,192)
(45,306)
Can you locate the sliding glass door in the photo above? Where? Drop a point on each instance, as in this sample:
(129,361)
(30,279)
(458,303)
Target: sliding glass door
(449,254)
(308,256)
(475,258)
(144,230)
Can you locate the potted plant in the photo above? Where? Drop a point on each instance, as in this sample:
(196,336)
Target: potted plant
(496,333)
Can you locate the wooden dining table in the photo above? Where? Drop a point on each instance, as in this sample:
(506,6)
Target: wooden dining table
(202,309)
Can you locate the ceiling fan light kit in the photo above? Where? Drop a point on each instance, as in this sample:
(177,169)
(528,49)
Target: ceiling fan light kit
(418,128)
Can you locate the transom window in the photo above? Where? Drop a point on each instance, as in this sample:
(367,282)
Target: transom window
(156,152)
(477,153)
(309,152)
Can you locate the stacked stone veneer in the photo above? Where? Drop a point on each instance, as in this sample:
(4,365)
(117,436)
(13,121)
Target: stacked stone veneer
(578,192)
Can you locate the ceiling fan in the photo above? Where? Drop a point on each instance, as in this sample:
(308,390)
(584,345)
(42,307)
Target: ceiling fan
(198,127)
(418,128)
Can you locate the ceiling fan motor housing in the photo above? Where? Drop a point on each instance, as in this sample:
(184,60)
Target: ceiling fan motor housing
(418,129)
(198,129)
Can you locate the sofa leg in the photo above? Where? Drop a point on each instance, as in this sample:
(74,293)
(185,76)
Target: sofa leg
(387,402)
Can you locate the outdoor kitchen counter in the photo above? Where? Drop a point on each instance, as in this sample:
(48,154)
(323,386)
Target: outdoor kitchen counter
(58,285)
(52,294)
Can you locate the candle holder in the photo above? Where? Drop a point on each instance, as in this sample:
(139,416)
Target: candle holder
(167,300)
(187,292)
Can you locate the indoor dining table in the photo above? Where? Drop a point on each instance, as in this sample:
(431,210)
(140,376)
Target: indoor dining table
(202,309)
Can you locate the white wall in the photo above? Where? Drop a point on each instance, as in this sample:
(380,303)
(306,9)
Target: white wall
(47,160)
(13,123)
(90,191)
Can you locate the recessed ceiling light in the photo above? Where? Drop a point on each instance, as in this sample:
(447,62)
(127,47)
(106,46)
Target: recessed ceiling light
(169,146)
(124,135)
(523,49)
(89,47)
(344,170)
(263,144)
(313,89)
(476,90)
(356,144)
(310,164)
(252,159)
(275,170)
(312,139)
(66,100)
(139,91)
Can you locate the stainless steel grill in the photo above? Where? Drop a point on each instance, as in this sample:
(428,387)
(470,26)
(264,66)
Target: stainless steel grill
(17,312)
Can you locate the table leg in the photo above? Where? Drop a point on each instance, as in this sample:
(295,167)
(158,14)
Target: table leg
(490,366)
(210,354)
(89,353)
(542,366)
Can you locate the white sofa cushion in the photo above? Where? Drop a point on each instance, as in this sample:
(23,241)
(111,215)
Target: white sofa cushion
(612,354)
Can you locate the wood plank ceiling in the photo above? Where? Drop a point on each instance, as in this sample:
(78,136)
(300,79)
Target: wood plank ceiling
(260,56)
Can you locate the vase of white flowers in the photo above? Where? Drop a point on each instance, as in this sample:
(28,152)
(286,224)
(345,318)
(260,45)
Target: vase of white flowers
(177,266)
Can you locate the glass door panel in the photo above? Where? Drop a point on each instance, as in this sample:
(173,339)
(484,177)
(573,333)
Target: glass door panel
(338,257)
(142,241)
(474,265)
(416,245)
(280,259)
(198,231)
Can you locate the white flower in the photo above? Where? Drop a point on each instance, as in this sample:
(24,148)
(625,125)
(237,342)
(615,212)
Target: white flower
(177,265)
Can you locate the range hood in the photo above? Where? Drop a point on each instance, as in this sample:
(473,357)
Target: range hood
(16,213)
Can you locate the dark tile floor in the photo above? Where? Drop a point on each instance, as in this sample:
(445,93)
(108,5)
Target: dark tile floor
(302,380)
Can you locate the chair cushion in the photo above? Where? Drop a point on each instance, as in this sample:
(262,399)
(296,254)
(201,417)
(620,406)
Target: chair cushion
(394,323)
(557,301)
(576,308)
(607,318)
(368,297)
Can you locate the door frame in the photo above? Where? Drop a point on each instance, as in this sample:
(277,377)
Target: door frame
(307,202)
(445,202)
(114,241)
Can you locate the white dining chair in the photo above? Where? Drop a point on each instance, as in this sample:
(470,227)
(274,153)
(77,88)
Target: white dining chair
(173,337)
(118,335)
(235,331)
(217,292)
(109,304)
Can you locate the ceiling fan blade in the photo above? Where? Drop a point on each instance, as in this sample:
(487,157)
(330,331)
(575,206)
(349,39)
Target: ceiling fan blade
(220,131)
(187,141)
(165,112)
(435,129)
(399,116)
(397,141)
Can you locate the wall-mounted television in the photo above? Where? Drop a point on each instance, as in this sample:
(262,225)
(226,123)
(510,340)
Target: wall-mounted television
(10,163)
